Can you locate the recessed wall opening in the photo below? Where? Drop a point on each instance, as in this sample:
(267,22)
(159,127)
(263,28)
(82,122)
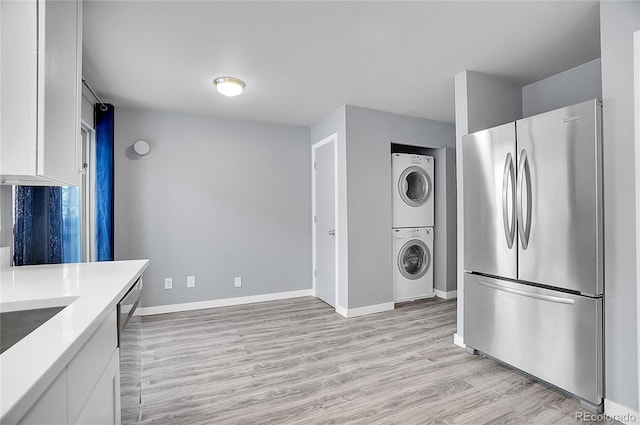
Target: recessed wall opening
(444,249)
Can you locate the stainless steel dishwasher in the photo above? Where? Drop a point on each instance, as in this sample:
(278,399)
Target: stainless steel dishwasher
(130,343)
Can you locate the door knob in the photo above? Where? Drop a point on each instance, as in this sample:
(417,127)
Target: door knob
(332,232)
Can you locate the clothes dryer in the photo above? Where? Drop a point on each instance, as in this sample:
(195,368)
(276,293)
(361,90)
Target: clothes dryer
(413,191)
(413,263)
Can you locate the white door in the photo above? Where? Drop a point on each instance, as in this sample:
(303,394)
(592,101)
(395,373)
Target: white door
(324,185)
(636,61)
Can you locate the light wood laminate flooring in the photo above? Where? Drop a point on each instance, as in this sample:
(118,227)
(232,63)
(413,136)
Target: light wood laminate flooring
(298,362)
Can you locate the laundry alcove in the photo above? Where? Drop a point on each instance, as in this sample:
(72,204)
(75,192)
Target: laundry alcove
(444,183)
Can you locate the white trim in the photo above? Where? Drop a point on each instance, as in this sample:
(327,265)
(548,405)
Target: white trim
(636,114)
(330,139)
(447,295)
(224,302)
(459,340)
(621,413)
(88,182)
(362,311)
(342,311)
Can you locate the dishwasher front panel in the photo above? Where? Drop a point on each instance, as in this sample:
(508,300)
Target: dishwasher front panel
(554,336)
(130,343)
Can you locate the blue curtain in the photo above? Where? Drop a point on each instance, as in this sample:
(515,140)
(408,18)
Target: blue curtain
(104,121)
(38,230)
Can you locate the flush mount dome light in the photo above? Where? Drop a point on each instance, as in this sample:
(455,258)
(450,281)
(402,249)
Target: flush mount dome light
(229,86)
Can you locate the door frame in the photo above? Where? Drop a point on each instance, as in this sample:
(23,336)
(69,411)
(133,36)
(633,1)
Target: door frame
(636,102)
(330,139)
(88,195)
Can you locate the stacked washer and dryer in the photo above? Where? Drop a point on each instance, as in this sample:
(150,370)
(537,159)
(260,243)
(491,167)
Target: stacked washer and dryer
(413,221)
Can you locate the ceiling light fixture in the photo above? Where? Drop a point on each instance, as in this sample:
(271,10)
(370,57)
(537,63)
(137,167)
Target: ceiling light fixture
(229,86)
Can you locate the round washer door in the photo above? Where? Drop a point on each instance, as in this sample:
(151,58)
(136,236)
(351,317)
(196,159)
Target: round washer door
(414,186)
(414,259)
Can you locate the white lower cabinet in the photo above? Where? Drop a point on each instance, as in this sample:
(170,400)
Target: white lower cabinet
(87,391)
(84,371)
(103,405)
(51,407)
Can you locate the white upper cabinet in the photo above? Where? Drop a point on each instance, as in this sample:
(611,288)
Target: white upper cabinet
(40,92)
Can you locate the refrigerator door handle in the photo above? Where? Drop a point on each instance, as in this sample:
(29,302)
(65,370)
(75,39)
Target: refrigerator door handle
(509,228)
(524,174)
(550,298)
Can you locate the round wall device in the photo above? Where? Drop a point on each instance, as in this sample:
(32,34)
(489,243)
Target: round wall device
(142,147)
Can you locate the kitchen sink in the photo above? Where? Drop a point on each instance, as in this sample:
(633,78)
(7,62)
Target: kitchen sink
(15,325)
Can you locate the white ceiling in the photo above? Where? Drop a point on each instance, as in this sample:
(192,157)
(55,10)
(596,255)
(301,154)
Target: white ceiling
(303,59)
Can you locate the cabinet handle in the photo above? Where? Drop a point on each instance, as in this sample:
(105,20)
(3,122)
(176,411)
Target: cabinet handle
(550,298)
(509,229)
(524,175)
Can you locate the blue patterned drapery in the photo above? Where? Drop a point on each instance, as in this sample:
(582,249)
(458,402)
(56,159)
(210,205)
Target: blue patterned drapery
(38,229)
(104,116)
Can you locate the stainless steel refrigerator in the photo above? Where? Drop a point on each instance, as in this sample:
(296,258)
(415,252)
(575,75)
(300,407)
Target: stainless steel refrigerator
(533,247)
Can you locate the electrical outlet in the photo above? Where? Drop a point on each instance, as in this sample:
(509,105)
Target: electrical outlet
(191,281)
(168,283)
(237,281)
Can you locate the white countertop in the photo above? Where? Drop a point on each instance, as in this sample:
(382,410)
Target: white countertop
(91,291)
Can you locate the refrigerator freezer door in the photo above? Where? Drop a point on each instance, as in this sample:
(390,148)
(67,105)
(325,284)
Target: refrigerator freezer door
(559,200)
(552,335)
(489,161)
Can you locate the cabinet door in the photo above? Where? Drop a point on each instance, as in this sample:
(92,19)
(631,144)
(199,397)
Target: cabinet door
(59,90)
(51,407)
(18,82)
(86,368)
(103,405)
(41,55)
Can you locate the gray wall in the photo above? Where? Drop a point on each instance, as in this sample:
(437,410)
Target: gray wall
(482,101)
(491,101)
(452,221)
(369,137)
(217,199)
(567,88)
(444,242)
(618,21)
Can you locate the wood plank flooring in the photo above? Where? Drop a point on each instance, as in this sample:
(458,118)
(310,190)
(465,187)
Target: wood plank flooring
(298,362)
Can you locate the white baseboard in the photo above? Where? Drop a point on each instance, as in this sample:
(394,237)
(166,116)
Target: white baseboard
(342,311)
(224,302)
(620,413)
(459,340)
(361,311)
(447,295)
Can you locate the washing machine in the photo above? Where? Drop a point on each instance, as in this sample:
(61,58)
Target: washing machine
(413,263)
(413,191)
